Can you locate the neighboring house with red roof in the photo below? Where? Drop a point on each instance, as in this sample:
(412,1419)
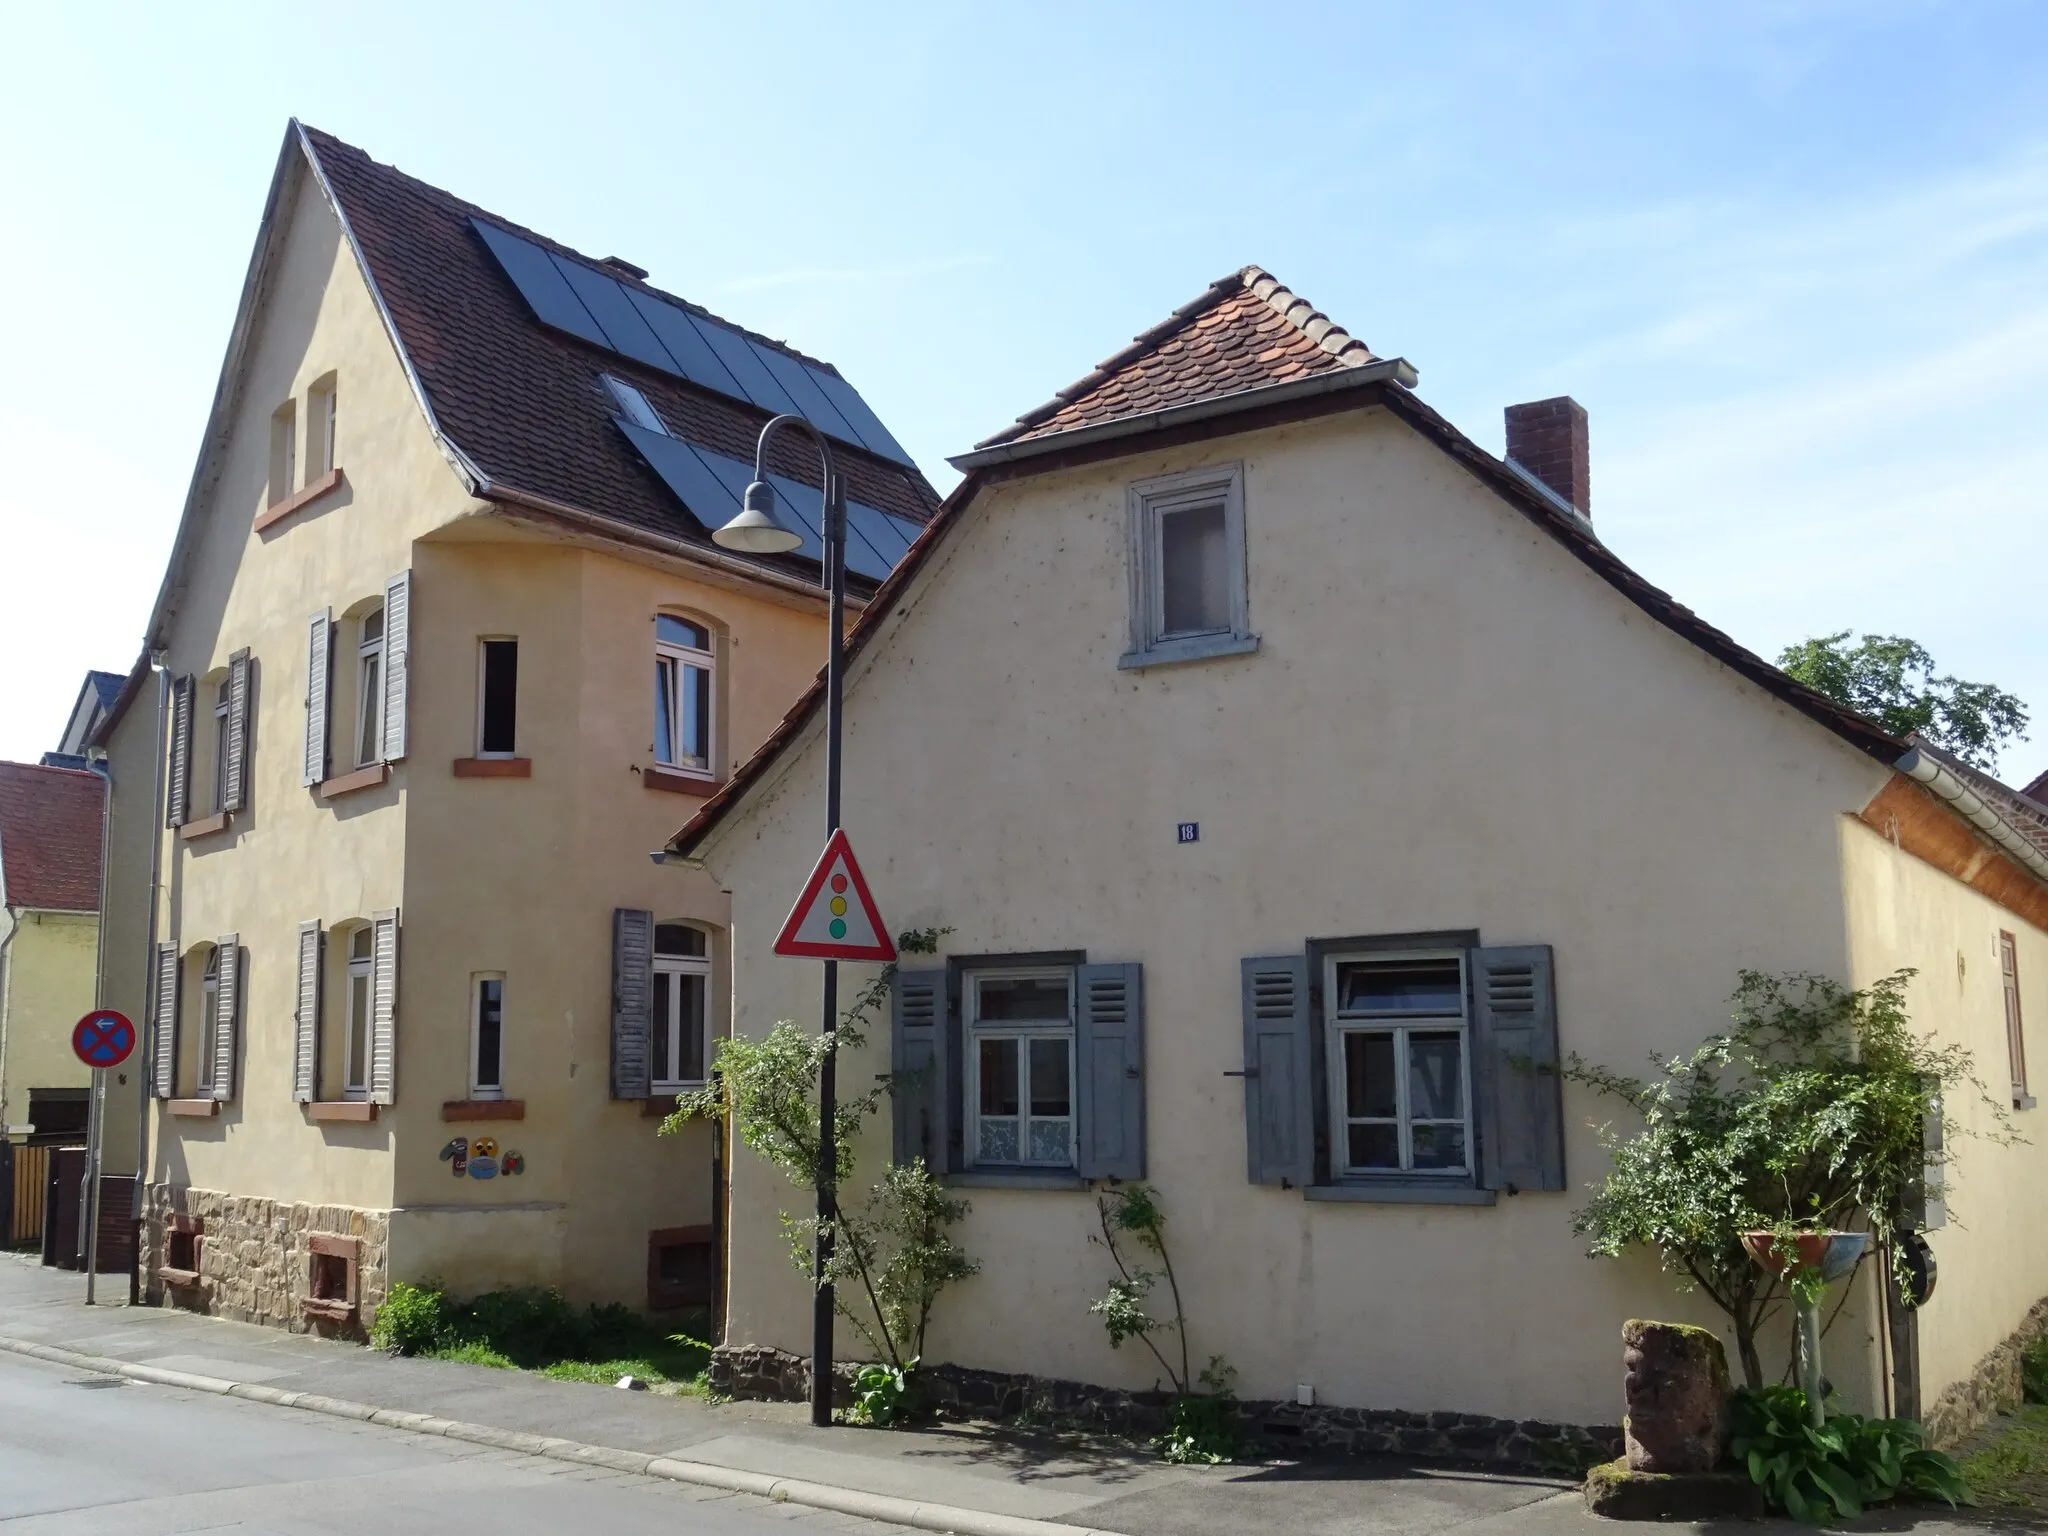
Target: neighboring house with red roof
(445,642)
(49,932)
(1297,787)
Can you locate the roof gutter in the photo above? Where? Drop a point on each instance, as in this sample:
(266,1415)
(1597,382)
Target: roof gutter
(1398,370)
(1924,769)
(629,533)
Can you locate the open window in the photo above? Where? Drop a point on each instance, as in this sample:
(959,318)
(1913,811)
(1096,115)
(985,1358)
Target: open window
(323,450)
(284,452)
(681,993)
(487,1036)
(685,673)
(497,697)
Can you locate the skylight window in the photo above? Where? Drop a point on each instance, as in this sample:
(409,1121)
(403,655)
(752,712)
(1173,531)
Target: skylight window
(633,405)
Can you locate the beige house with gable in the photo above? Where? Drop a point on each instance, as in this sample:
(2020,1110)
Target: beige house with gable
(445,643)
(1300,785)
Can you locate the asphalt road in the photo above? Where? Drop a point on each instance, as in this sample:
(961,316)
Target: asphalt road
(83,1453)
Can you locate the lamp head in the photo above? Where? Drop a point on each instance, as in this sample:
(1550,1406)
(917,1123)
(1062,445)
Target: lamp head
(757,531)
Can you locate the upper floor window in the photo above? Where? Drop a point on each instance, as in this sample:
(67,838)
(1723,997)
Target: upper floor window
(323,450)
(1398,1064)
(284,452)
(1187,567)
(633,405)
(2015,1034)
(682,982)
(209,1020)
(370,688)
(487,1037)
(222,701)
(683,668)
(1020,1039)
(497,697)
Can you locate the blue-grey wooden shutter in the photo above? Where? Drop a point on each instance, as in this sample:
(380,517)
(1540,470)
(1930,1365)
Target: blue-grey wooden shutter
(319,665)
(306,1042)
(397,662)
(1109,1059)
(1516,1082)
(178,788)
(235,782)
(227,1012)
(632,1002)
(383,1054)
(919,1100)
(165,1022)
(1279,1111)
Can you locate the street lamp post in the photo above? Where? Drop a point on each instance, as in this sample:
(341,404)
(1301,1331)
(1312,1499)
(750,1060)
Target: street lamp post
(757,531)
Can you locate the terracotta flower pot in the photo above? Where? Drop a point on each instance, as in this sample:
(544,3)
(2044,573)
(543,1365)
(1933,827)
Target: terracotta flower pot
(1834,1254)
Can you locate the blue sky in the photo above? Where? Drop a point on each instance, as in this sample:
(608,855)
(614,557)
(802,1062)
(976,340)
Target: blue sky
(1792,257)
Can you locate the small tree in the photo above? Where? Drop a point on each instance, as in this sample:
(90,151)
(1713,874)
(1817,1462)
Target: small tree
(1892,680)
(1809,1112)
(893,1253)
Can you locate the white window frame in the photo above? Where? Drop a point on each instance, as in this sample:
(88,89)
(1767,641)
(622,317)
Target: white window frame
(478,1088)
(1338,1024)
(1024,1031)
(330,451)
(357,1026)
(675,1026)
(633,405)
(221,712)
(482,671)
(1149,501)
(209,1020)
(671,664)
(369,721)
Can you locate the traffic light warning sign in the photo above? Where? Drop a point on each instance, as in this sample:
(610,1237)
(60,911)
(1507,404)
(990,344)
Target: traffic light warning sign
(835,918)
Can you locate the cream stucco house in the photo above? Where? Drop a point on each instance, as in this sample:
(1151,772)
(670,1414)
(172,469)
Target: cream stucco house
(442,646)
(1299,784)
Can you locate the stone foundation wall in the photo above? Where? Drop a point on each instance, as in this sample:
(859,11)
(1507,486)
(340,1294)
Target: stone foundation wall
(255,1263)
(759,1373)
(1993,1387)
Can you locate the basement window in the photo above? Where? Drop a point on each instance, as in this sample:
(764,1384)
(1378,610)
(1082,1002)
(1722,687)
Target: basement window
(331,1276)
(682,1268)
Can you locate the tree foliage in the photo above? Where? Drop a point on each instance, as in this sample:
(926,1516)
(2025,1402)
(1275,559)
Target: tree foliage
(893,1253)
(1809,1112)
(1892,680)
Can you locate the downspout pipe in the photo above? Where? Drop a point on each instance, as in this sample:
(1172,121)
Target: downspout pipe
(1945,783)
(145,1077)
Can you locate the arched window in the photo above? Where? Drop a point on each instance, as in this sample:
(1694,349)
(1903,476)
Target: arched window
(355,1047)
(221,711)
(682,984)
(370,688)
(209,1019)
(683,671)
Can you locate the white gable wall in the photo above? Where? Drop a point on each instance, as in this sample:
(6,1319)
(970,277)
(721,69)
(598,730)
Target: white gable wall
(1450,723)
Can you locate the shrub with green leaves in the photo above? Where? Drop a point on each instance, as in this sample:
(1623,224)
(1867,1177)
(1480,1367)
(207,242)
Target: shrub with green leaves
(882,1395)
(1841,1469)
(2034,1371)
(412,1319)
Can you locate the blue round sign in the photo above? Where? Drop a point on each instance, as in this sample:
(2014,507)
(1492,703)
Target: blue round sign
(103,1038)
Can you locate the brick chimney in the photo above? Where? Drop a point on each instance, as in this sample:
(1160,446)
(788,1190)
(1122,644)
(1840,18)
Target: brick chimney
(1548,439)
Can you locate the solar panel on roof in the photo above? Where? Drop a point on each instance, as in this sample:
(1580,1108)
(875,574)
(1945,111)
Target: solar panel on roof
(546,291)
(846,399)
(756,382)
(685,343)
(873,525)
(707,497)
(609,306)
(810,399)
(572,296)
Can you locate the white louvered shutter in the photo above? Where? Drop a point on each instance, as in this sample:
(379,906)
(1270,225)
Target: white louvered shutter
(227,1010)
(397,661)
(164,1068)
(319,642)
(235,783)
(178,798)
(306,1044)
(383,1006)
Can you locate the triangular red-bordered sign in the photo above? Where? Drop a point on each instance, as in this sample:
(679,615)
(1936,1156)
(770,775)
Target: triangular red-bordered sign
(835,918)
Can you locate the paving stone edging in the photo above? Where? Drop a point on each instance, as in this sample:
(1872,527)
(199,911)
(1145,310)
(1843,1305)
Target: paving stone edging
(842,1501)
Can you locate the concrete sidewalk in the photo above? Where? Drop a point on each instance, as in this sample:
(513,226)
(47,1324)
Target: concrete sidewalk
(1068,1480)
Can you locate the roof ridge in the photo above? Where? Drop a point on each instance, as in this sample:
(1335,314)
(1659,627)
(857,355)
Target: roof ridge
(1250,278)
(526,232)
(87,773)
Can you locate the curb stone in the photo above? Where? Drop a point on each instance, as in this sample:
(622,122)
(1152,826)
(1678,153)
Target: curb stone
(842,1501)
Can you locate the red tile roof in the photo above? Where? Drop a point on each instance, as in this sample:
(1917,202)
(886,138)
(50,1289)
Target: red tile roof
(50,837)
(2038,790)
(522,402)
(1245,332)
